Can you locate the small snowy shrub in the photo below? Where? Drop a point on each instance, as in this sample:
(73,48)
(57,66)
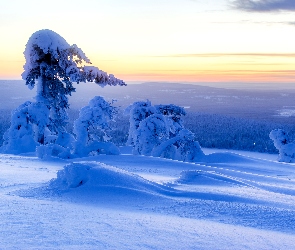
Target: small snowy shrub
(138,111)
(188,149)
(173,114)
(151,132)
(285,147)
(19,138)
(53,150)
(182,147)
(91,128)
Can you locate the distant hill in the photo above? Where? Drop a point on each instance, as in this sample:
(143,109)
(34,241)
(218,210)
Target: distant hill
(268,105)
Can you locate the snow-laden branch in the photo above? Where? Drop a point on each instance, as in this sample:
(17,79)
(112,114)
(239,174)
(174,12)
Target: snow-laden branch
(48,53)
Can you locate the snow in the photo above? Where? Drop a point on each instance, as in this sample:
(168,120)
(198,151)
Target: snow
(228,200)
(49,42)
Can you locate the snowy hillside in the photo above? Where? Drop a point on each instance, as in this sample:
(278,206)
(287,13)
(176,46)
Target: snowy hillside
(225,201)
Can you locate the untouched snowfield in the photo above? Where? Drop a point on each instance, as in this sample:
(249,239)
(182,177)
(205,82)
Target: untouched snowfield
(228,200)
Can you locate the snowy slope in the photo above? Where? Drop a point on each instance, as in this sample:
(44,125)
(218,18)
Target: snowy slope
(226,201)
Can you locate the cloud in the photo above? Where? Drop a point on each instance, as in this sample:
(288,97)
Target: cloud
(233,55)
(265,5)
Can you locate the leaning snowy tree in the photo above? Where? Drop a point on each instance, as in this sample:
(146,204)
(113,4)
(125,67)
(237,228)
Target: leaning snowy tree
(54,65)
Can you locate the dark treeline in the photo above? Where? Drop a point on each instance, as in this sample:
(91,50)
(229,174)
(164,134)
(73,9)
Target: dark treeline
(211,130)
(226,132)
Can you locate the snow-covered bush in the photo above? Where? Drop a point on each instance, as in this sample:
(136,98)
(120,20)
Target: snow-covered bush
(174,115)
(151,132)
(138,111)
(159,131)
(53,150)
(55,65)
(91,128)
(182,147)
(284,146)
(56,146)
(19,138)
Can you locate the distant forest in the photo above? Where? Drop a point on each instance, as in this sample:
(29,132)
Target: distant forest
(219,118)
(211,130)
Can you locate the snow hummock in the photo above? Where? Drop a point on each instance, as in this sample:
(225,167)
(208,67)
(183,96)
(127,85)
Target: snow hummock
(199,177)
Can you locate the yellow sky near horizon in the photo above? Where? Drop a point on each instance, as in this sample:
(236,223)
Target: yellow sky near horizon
(176,40)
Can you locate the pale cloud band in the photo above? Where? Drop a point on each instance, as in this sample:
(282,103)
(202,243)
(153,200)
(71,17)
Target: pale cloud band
(292,55)
(265,5)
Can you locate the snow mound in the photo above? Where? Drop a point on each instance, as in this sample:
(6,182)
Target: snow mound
(71,176)
(96,175)
(199,177)
(97,182)
(227,158)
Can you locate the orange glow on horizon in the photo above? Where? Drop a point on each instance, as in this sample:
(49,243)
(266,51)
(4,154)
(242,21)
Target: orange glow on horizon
(203,76)
(200,68)
(212,77)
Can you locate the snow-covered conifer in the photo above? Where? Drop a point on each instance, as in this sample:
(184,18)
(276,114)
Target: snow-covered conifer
(91,128)
(138,111)
(182,147)
(151,132)
(284,146)
(19,138)
(174,115)
(159,131)
(56,65)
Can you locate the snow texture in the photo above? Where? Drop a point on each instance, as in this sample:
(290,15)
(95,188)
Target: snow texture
(225,201)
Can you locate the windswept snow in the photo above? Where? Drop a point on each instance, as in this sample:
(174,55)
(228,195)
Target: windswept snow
(225,201)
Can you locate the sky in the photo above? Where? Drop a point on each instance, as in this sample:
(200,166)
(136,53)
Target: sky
(161,40)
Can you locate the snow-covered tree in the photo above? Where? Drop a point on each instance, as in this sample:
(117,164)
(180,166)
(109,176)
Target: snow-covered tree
(181,147)
(284,146)
(174,115)
(91,128)
(19,138)
(159,131)
(151,132)
(138,111)
(54,65)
